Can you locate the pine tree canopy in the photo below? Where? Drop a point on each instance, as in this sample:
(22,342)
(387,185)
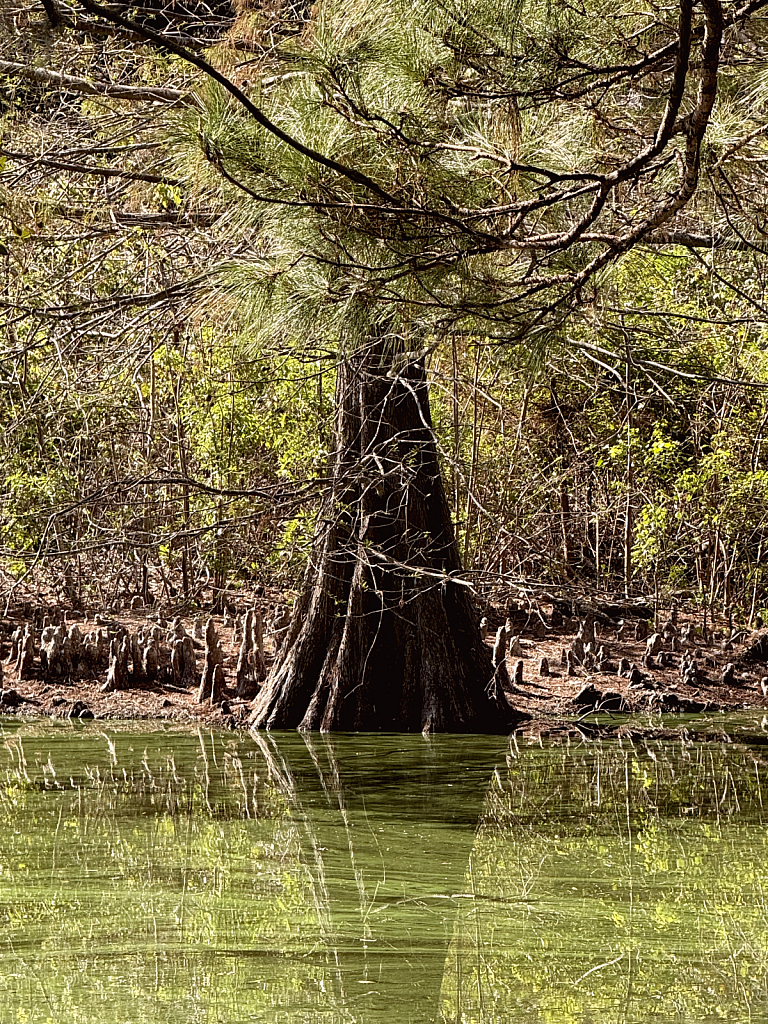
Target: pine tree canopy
(476,167)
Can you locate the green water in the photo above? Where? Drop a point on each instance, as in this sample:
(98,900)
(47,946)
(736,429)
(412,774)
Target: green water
(166,875)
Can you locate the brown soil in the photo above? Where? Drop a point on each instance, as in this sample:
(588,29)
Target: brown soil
(83,698)
(661,689)
(554,700)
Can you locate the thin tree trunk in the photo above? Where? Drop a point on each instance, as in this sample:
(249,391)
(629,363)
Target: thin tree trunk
(456,434)
(181,443)
(629,525)
(565,524)
(473,462)
(751,619)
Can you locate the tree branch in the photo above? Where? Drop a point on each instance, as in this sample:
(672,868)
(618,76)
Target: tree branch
(134,93)
(258,115)
(103,172)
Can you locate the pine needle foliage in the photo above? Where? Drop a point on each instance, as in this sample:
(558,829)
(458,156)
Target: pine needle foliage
(516,146)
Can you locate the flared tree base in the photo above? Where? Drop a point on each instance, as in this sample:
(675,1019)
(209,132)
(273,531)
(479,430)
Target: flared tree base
(384,636)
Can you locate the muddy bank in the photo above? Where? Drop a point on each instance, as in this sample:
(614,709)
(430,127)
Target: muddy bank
(568,673)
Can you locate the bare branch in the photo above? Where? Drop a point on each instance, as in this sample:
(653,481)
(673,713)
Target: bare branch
(102,172)
(133,93)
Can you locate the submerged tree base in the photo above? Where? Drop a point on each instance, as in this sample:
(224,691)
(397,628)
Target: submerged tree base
(385,635)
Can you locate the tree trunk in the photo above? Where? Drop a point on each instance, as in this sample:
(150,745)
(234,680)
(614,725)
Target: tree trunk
(384,635)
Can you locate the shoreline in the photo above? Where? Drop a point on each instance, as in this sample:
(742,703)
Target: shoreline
(542,679)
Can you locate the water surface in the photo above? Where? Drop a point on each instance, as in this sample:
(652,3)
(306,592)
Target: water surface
(170,875)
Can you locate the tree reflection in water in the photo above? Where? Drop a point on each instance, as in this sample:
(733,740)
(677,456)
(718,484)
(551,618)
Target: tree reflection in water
(621,881)
(183,876)
(386,835)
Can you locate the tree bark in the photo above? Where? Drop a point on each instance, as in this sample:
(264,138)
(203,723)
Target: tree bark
(52,11)
(384,635)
